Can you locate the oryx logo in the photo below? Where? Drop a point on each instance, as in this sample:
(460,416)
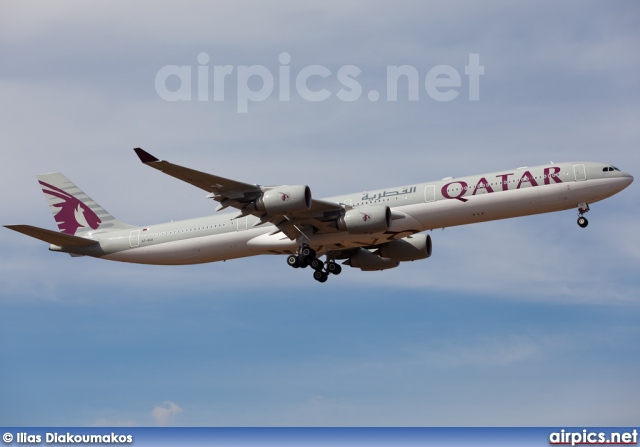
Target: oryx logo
(73,213)
(365,217)
(284,196)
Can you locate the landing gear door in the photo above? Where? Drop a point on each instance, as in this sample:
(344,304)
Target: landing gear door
(579,172)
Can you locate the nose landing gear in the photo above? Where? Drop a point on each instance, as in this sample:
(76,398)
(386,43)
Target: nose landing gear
(582,221)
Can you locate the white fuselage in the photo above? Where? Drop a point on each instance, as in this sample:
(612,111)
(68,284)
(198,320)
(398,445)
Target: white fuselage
(416,207)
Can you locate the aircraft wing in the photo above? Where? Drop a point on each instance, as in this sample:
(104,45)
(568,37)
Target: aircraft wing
(208,182)
(319,216)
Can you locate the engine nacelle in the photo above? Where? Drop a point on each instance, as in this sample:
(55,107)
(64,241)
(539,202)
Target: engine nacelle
(285,199)
(369,262)
(410,248)
(366,220)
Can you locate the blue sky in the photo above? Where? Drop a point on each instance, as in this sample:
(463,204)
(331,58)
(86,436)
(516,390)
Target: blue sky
(530,321)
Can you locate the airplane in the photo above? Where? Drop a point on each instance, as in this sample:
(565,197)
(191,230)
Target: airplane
(370,230)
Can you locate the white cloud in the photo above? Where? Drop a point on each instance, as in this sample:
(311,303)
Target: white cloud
(165,413)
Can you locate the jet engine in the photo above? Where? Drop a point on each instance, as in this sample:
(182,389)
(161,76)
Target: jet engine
(369,262)
(285,199)
(366,219)
(410,248)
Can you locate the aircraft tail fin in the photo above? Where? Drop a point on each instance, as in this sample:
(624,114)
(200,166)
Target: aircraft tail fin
(74,211)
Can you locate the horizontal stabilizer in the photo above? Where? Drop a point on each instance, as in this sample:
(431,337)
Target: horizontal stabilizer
(52,237)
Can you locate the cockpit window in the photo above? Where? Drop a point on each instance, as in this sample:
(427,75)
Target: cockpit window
(605,169)
(610,169)
(613,167)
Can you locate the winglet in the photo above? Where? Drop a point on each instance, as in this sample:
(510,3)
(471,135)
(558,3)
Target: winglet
(145,157)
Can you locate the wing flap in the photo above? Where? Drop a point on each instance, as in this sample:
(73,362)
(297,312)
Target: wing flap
(52,237)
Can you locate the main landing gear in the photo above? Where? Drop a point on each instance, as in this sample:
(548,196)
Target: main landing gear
(307,257)
(582,221)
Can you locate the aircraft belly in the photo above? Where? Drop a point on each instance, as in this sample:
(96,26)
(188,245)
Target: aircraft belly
(480,208)
(195,250)
(267,242)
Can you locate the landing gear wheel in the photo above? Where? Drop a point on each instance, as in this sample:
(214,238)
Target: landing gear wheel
(307,253)
(583,208)
(293,261)
(320,276)
(334,268)
(316,264)
(582,222)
